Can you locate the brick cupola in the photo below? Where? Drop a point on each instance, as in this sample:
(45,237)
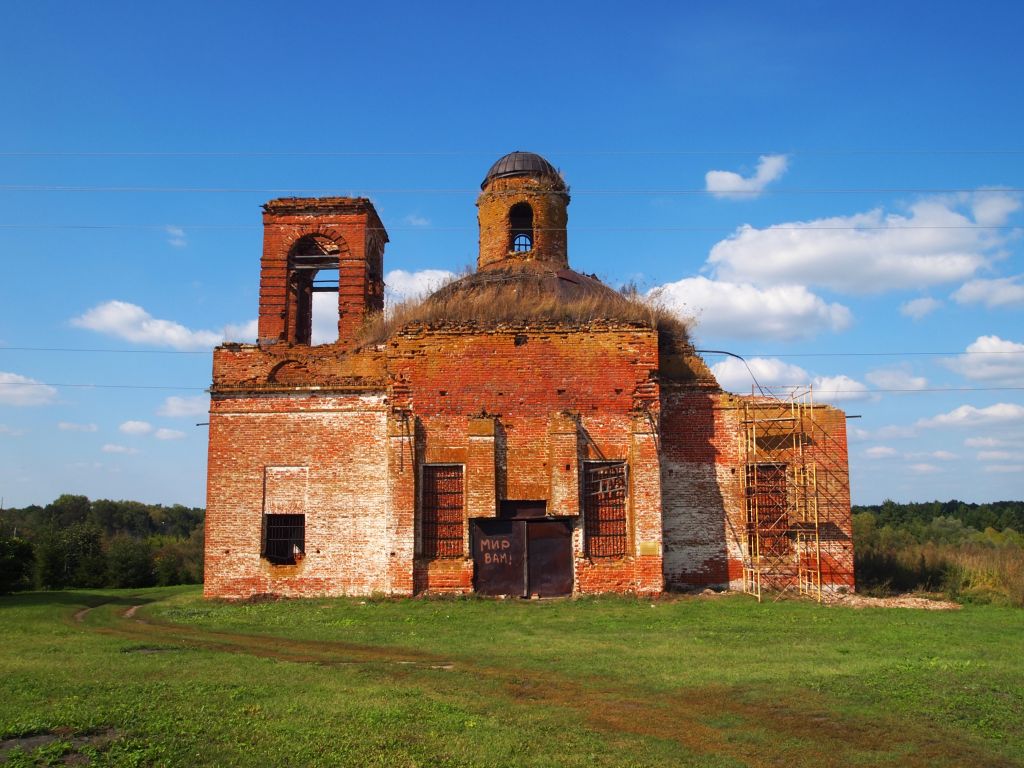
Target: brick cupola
(523,211)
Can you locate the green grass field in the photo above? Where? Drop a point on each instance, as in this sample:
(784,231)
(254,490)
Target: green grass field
(470,682)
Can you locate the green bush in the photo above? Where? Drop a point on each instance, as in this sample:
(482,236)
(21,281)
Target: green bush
(17,562)
(130,563)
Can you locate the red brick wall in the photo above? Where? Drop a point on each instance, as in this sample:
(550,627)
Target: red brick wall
(702,467)
(701,489)
(521,409)
(352,224)
(340,443)
(549,202)
(555,398)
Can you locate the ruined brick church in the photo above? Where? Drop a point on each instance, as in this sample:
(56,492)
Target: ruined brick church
(525,430)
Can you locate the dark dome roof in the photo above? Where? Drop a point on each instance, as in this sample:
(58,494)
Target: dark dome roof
(520,164)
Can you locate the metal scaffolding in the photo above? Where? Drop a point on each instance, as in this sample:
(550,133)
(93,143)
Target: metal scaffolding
(794,488)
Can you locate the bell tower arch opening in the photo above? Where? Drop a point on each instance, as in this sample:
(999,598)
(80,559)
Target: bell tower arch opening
(321,274)
(312,269)
(520,220)
(523,212)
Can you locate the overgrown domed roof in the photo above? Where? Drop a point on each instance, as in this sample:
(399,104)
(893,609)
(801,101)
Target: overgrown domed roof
(520,164)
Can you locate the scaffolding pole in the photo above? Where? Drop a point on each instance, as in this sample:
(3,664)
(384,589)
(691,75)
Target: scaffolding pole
(792,494)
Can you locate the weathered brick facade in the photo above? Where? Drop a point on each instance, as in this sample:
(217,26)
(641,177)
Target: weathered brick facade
(319,455)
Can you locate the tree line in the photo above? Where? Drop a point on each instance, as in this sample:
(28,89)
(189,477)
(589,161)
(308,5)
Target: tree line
(75,542)
(971,552)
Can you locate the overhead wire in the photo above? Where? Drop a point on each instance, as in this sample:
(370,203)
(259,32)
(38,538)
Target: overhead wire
(827,389)
(206,351)
(575,228)
(341,192)
(967,151)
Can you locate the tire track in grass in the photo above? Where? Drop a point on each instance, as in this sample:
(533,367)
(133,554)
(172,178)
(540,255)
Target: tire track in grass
(711,720)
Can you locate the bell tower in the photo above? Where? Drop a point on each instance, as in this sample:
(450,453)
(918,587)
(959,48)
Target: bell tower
(313,245)
(522,213)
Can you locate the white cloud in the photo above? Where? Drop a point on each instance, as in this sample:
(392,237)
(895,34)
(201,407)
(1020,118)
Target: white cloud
(136,427)
(18,390)
(415,220)
(168,434)
(995,292)
(895,431)
(68,426)
(733,375)
(970,416)
(919,308)
(402,285)
(923,469)
(858,435)
(879,452)
(184,407)
(896,378)
(132,323)
(246,332)
(834,389)
(325,318)
(992,208)
(999,455)
(742,310)
(115,448)
(11,431)
(940,455)
(990,359)
(732,185)
(771,373)
(869,252)
(176,236)
(1008,468)
(983,442)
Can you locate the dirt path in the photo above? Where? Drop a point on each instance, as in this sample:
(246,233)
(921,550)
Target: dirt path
(690,717)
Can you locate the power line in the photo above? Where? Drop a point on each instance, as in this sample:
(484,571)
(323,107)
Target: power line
(107,350)
(491,153)
(465,228)
(705,351)
(98,386)
(880,354)
(334,191)
(827,390)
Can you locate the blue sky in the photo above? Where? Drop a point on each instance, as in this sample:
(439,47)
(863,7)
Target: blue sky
(831,189)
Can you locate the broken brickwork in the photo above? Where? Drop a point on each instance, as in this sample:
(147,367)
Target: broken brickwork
(324,460)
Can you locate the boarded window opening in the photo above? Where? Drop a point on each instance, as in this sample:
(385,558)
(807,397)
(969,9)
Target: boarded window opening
(604,509)
(767,511)
(284,538)
(442,511)
(308,257)
(520,219)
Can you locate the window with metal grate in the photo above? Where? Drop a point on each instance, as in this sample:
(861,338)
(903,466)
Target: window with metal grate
(442,511)
(605,488)
(284,538)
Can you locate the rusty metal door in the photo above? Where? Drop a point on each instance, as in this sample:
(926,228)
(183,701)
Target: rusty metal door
(549,558)
(499,557)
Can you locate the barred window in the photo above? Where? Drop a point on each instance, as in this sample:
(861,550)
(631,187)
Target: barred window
(604,508)
(767,510)
(442,511)
(284,538)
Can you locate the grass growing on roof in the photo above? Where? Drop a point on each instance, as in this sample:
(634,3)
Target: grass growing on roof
(522,296)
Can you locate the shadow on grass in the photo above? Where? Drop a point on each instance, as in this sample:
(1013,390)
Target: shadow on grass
(79,597)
